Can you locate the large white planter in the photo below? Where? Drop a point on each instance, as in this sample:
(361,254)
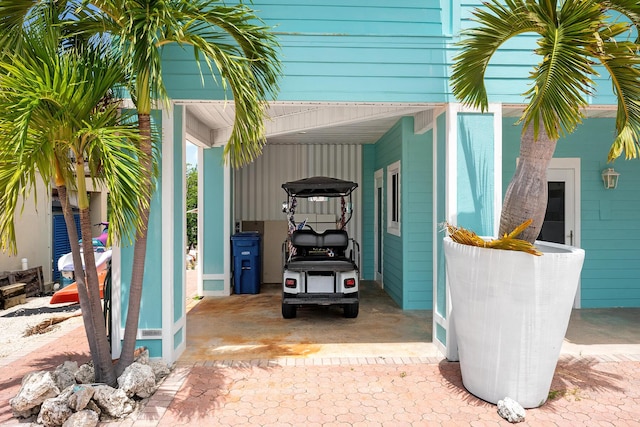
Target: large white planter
(510,312)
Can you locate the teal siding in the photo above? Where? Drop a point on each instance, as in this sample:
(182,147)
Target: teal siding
(341,51)
(475,192)
(179,244)
(178,338)
(370,51)
(408,258)
(609,227)
(417,218)
(367,195)
(150,314)
(213,243)
(388,151)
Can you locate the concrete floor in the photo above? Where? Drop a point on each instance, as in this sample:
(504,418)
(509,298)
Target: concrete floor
(246,327)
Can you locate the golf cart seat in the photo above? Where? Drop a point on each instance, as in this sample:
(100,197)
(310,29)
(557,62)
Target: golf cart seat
(320,251)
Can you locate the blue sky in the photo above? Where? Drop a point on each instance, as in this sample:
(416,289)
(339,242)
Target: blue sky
(192,154)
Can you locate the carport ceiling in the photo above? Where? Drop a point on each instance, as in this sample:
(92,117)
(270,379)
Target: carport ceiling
(210,123)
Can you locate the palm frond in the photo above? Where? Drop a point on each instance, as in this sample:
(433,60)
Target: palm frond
(561,80)
(497,23)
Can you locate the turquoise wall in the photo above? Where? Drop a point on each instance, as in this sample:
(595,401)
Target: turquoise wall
(475,183)
(350,50)
(388,151)
(417,217)
(179,244)
(609,221)
(407,259)
(150,314)
(213,243)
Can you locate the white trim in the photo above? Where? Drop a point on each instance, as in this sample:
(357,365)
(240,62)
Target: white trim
(116,302)
(436,318)
(496,109)
(573,164)
(216,294)
(451,167)
(168,255)
(394,227)
(378,177)
(226,223)
(199,267)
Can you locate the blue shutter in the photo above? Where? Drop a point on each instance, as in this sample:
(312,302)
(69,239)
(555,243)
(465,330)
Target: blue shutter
(61,244)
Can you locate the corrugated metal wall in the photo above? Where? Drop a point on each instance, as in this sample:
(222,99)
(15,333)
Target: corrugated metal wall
(258,186)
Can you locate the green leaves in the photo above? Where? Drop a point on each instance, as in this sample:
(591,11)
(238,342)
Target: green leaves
(57,111)
(573,36)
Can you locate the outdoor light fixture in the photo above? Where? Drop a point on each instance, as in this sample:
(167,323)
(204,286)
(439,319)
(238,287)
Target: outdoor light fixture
(285,206)
(610,178)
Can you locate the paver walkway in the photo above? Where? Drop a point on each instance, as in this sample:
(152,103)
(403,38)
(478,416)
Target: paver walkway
(589,391)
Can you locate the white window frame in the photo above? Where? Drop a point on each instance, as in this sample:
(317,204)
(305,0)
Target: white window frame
(393,226)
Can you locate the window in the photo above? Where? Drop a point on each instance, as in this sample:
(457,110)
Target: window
(393,199)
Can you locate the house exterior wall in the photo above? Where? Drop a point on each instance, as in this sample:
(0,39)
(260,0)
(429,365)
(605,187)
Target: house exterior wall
(388,151)
(348,50)
(609,227)
(417,218)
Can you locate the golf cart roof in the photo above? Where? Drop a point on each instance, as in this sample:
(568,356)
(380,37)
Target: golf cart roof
(319,186)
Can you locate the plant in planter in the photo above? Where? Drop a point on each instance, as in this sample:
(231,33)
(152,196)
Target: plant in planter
(511,309)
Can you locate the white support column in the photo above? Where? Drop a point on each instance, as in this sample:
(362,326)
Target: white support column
(452,158)
(168,224)
(228,226)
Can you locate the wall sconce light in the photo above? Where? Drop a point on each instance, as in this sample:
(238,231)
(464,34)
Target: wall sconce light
(610,178)
(285,206)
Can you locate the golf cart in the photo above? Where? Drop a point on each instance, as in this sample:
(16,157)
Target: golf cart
(320,268)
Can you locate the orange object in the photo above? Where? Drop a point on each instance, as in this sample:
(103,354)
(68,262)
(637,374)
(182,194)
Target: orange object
(69,294)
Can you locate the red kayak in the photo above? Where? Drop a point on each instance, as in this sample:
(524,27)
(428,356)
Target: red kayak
(69,294)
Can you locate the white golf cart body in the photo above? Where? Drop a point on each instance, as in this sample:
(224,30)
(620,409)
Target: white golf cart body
(319,268)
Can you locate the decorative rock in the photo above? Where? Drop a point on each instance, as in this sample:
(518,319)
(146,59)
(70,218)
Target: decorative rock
(55,411)
(84,418)
(36,388)
(91,406)
(137,379)
(511,410)
(113,402)
(85,374)
(143,357)
(80,397)
(65,374)
(160,369)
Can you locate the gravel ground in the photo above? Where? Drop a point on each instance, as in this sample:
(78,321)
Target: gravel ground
(15,321)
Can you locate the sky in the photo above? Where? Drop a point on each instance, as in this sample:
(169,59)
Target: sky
(192,154)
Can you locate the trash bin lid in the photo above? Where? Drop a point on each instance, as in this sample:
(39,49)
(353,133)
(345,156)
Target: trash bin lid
(246,235)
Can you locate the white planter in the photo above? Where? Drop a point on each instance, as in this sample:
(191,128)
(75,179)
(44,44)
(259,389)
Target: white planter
(510,312)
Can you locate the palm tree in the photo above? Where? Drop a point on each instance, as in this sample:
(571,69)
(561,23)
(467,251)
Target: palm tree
(574,36)
(60,123)
(230,40)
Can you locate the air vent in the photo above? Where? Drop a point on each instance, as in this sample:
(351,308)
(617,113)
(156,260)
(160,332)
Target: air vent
(151,332)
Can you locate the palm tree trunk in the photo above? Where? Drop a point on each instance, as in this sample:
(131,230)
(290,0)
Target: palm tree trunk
(88,290)
(79,274)
(526,196)
(139,252)
(104,370)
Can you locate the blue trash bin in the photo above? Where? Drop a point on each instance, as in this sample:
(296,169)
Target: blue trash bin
(246,262)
